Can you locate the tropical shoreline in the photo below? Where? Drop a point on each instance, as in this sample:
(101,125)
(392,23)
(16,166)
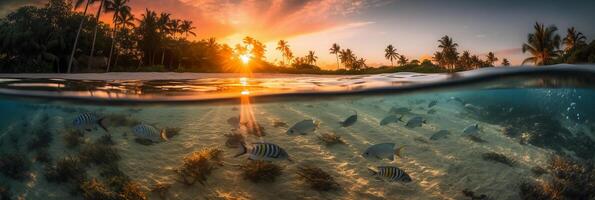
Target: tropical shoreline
(157,42)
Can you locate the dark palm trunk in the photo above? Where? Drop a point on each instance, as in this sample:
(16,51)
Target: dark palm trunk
(179,62)
(140,62)
(58,64)
(116,59)
(171,61)
(76,40)
(95,33)
(153,58)
(338,66)
(111,51)
(114,37)
(162,56)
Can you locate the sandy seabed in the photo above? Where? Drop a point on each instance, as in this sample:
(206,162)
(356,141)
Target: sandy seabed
(440,169)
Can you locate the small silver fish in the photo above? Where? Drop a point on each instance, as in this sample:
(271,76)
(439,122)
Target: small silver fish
(382,151)
(415,122)
(390,119)
(471,130)
(400,110)
(264,151)
(303,127)
(148,132)
(391,173)
(89,121)
(349,121)
(432,103)
(440,135)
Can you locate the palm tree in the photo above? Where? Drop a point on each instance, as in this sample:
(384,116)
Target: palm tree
(390,53)
(78,3)
(257,49)
(402,60)
(148,28)
(289,55)
(505,62)
(174,27)
(212,42)
(105,6)
(573,39)
(360,64)
(449,51)
(491,59)
(125,19)
(283,47)
(335,49)
(162,22)
(543,45)
(465,60)
(186,28)
(120,8)
(163,26)
(476,62)
(347,58)
(439,58)
(311,58)
(240,50)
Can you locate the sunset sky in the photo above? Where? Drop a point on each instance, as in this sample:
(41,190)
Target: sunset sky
(368,26)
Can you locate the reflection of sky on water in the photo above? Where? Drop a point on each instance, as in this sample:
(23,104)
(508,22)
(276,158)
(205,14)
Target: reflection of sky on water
(220,86)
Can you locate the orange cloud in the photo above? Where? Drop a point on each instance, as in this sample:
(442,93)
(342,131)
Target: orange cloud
(265,20)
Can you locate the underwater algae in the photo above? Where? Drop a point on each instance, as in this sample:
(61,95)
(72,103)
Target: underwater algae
(330,139)
(499,158)
(15,165)
(197,166)
(260,171)
(571,179)
(317,178)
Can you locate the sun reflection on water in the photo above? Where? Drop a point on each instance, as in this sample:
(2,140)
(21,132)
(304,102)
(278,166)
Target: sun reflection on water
(244,81)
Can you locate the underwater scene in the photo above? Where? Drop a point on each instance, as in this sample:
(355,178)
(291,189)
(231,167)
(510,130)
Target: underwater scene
(509,138)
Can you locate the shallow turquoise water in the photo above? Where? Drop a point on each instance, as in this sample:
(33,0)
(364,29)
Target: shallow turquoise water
(524,118)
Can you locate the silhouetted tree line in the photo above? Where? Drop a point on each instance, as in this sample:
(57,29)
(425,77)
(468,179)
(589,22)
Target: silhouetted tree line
(544,45)
(44,39)
(58,37)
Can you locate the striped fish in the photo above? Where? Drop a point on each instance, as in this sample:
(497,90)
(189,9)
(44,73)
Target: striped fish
(391,173)
(89,121)
(148,132)
(264,151)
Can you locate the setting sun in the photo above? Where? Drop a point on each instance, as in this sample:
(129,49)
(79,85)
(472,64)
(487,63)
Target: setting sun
(245,58)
